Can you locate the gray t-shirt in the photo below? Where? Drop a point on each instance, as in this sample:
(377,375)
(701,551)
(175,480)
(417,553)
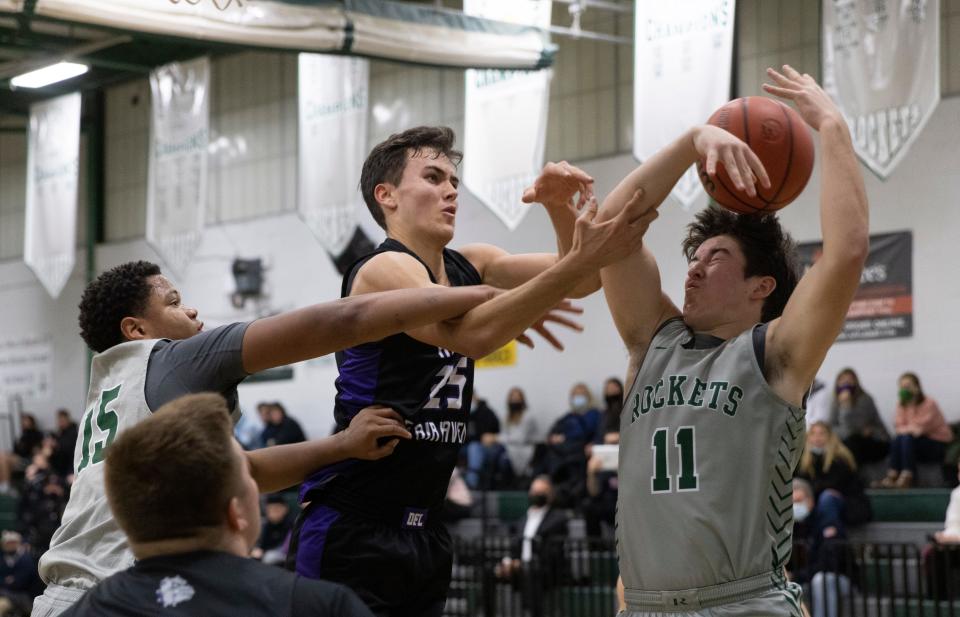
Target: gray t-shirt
(208,362)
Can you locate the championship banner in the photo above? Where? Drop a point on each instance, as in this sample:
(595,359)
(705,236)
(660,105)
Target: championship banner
(53,167)
(177,176)
(683,58)
(883,305)
(881,64)
(505,123)
(332,99)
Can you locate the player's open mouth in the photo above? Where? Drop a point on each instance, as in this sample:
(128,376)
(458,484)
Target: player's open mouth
(451,210)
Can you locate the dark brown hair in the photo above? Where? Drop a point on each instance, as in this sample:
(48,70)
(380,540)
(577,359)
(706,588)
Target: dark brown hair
(916,380)
(388,159)
(769,250)
(174,473)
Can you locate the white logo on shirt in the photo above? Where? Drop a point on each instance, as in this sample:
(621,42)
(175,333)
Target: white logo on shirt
(173,590)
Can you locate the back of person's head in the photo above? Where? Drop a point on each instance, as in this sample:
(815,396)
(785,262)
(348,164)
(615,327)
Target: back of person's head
(28,422)
(120,292)
(173,475)
(768,249)
(388,159)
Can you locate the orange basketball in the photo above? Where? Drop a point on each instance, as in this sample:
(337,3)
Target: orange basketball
(781,140)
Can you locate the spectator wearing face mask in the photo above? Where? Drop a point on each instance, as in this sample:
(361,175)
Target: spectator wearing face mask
(581,423)
(564,456)
(830,469)
(820,556)
(613,398)
(519,431)
(922,433)
(855,419)
(536,560)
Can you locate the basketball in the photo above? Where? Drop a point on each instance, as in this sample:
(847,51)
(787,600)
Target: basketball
(781,140)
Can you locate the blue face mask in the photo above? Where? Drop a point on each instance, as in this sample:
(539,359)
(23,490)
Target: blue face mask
(579,401)
(816,450)
(800,511)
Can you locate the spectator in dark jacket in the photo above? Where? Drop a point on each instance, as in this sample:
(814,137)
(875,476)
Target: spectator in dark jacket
(271,546)
(488,465)
(856,421)
(65,440)
(829,467)
(281,428)
(18,575)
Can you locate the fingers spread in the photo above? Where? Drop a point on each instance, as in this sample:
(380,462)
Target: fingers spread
(758,169)
(730,164)
(550,338)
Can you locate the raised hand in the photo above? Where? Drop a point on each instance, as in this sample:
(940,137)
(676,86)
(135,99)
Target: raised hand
(555,315)
(599,244)
(558,183)
(716,145)
(814,105)
(373,433)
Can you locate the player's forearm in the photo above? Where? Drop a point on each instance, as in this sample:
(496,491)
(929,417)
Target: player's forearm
(564,219)
(656,176)
(844,213)
(279,467)
(494,323)
(324,328)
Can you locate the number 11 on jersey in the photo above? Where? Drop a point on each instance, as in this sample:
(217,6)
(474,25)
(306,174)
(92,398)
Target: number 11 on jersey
(685,442)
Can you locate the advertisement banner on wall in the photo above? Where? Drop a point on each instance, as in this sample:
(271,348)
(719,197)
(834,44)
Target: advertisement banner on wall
(881,63)
(505,123)
(53,165)
(883,305)
(332,101)
(177,176)
(26,368)
(683,59)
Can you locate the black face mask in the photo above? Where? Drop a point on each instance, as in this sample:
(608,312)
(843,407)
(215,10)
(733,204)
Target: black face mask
(515,407)
(538,500)
(614,401)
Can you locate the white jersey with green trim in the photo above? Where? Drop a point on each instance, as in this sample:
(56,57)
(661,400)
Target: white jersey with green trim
(707,453)
(89,546)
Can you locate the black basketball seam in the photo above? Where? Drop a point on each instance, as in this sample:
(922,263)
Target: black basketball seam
(733,194)
(786,172)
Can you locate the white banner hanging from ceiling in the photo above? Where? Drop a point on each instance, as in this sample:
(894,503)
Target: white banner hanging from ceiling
(332,100)
(53,169)
(683,57)
(506,119)
(177,176)
(881,63)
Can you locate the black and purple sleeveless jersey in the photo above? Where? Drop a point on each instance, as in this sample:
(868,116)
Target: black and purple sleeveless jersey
(429,386)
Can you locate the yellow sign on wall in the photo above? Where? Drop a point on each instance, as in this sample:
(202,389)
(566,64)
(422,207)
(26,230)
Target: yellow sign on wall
(505,356)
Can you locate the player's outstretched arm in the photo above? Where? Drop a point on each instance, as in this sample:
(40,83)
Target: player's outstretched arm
(632,286)
(555,188)
(279,467)
(493,323)
(815,313)
(330,326)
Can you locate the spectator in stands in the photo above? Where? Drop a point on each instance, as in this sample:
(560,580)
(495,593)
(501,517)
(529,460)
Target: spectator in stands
(64,442)
(613,399)
(520,432)
(564,456)
(271,546)
(830,468)
(488,464)
(820,555)
(818,403)
(941,556)
(922,433)
(600,505)
(45,495)
(281,429)
(249,429)
(18,575)
(581,423)
(536,560)
(192,531)
(27,444)
(458,502)
(855,419)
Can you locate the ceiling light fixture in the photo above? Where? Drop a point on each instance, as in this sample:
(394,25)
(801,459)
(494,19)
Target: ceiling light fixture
(49,75)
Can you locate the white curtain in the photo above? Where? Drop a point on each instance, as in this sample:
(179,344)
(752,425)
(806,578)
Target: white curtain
(332,100)
(177,176)
(683,56)
(505,119)
(53,161)
(881,63)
